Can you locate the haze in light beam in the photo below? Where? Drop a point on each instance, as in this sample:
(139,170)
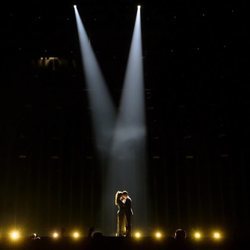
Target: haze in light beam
(99,97)
(127,169)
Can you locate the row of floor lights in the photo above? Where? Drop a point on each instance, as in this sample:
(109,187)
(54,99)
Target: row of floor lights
(216,235)
(15,235)
(75,235)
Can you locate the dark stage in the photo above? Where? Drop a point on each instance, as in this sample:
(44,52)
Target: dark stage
(107,96)
(102,242)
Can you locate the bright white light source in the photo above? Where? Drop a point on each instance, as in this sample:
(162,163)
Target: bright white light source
(138,235)
(217,235)
(158,235)
(138,6)
(15,235)
(55,235)
(75,235)
(197,235)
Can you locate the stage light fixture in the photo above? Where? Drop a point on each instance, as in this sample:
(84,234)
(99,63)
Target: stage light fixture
(14,235)
(158,235)
(197,235)
(75,235)
(55,235)
(217,235)
(138,235)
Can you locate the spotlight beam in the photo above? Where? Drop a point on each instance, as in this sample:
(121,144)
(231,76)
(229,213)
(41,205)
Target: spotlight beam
(127,160)
(131,111)
(99,98)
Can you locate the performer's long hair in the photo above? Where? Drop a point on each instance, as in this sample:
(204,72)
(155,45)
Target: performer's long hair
(117,196)
(126,193)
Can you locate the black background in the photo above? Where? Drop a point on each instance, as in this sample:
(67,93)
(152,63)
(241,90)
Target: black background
(197,108)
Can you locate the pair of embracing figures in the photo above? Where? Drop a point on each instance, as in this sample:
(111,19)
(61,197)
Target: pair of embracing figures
(124,213)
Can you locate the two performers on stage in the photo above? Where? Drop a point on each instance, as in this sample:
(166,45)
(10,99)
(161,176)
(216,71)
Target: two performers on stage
(124,213)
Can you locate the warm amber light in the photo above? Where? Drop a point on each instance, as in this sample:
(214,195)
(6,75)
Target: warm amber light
(217,235)
(138,235)
(55,235)
(75,235)
(158,235)
(197,235)
(14,235)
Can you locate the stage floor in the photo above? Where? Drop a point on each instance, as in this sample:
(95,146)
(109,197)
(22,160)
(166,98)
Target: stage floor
(116,243)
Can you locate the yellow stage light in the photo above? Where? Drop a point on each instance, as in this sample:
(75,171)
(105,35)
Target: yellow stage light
(217,235)
(197,235)
(76,235)
(138,235)
(14,235)
(55,235)
(158,235)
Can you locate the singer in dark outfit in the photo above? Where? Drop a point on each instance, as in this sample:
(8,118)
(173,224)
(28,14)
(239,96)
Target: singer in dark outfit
(124,213)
